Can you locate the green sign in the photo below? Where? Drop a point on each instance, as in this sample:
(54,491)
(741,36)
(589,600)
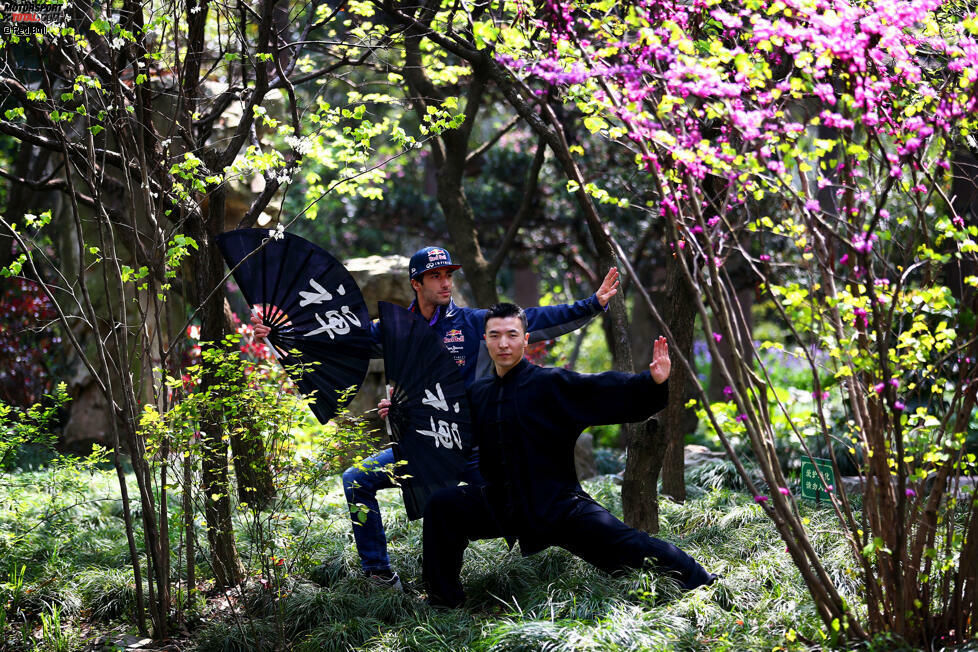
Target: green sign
(811,485)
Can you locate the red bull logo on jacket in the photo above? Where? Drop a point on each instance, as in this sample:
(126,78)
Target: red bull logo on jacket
(454,335)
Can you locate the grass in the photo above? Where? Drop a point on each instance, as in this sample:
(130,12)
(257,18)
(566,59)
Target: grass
(76,585)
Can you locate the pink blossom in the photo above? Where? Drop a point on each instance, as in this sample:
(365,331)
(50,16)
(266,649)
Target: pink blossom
(879,388)
(876,46)
(784,490)
(911,146)
(728,391)
(899,405)
(727,20)
(760,499)
(910,493)
(765,257)
(863,242)
(717,336)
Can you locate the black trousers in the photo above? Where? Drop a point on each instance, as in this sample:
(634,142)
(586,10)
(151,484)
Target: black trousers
(455,516)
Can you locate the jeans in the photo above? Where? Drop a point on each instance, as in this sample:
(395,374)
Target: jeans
(361,487)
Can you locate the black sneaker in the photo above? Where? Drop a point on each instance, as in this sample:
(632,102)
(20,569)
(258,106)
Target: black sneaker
(386,578)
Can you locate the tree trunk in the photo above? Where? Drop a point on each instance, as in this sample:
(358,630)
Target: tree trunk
(189,535)
(449,152)
(964,201)
(217,497)
(461,227)
(255,485)
(647,448)
(251,467)
(682,316)
(526,286)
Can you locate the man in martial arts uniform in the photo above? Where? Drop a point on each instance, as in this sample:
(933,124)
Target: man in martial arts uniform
(526,420)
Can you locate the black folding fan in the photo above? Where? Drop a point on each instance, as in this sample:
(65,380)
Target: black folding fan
(318,318)
(429,415)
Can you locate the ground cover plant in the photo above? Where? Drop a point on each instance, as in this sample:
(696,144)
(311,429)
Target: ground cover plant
(68,585)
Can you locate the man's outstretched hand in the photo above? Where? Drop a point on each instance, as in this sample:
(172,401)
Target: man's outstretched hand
(661,364)
(609,287)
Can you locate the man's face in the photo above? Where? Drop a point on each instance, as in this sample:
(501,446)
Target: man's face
(506,341)
(435,287)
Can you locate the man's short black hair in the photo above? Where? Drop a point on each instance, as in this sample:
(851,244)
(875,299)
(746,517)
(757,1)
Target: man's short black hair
(504,310)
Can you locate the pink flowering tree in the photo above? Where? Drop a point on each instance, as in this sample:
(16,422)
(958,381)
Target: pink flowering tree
(817,140)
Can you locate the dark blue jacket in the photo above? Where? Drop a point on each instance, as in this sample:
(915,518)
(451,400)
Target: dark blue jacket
(463,330)
(526,424)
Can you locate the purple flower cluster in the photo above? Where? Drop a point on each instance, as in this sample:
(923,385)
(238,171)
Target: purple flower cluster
(863,242)
(857,63)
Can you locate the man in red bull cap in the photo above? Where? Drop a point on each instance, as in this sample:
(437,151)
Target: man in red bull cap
(431,274)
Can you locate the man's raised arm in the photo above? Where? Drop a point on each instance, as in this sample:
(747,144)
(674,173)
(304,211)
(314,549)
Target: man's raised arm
(614,397)
(548,322)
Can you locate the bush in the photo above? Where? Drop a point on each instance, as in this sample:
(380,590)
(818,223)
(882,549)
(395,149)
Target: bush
(341,636)
(245,636)
(609,460)
(108,593)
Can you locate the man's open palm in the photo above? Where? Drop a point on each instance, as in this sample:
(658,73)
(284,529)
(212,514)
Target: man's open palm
(609,287)
(661,364)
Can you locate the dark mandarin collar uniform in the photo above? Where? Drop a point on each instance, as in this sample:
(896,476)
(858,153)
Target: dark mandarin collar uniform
(526,425)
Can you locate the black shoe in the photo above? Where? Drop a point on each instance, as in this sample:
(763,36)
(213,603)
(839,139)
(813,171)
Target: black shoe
(699,578)
(385,578)
(435,603)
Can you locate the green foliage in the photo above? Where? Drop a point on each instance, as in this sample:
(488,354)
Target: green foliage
(30,427)
(339,636)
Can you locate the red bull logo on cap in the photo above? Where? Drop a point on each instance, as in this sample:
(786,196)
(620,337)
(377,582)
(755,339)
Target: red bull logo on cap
(430,258)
